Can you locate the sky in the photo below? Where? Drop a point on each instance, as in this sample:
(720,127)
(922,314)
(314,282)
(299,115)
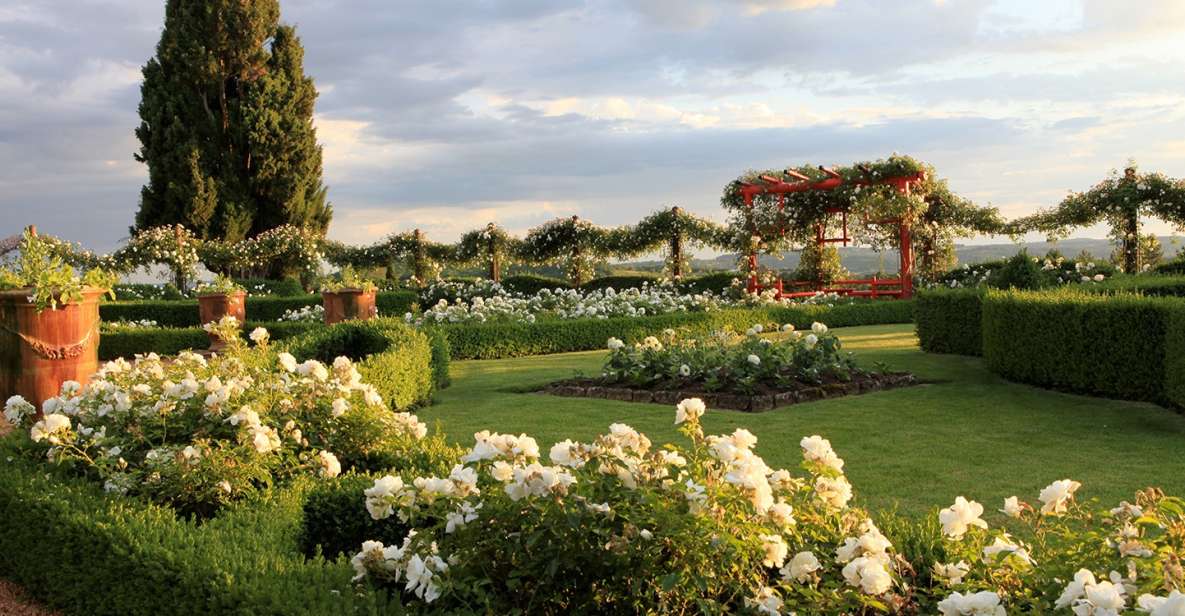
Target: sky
(447,114)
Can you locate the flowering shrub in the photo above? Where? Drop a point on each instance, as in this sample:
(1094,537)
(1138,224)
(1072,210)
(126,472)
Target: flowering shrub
(617,524)
(485,301)
(198,433)
(725,361)
(312,313)
(1025,272)
(50,280)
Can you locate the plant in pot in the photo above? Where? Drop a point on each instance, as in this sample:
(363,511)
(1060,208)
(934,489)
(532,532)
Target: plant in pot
(349,296)
(219,298)
(49,321)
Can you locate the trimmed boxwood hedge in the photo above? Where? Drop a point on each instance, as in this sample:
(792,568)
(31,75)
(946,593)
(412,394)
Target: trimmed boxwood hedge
(393,356)
(620,282)
(259,308)
(79,550)
(530,285)
(1115,346)
(949,321)
(497,340)
(172,340)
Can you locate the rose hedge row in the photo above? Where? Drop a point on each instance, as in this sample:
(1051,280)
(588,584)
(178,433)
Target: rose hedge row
(949,321)
(395,358)
(184,313)
(84,552)
(498,340)
(1122,346)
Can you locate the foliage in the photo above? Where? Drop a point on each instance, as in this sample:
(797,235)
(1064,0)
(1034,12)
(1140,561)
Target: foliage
(1023,271)
(1120,201)
(1089,343)
(227,125)
(287,287)
(51,280)
(949,321)
(529,285)
(725,361)
(394,358)
(948,216)
(140,291)
(184,313)
(498,340)
(197,434)
(1151,253)
(84,552)
(617,525)
(129,342)
(348,280)
(820,264)
(221,285)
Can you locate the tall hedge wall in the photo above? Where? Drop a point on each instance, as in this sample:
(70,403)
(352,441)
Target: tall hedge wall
(949,320)
(184,313)
(1115,346)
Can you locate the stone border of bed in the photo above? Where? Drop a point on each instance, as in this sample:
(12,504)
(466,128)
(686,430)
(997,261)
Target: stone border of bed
(737,402)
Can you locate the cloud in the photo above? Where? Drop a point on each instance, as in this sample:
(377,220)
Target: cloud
(444,117)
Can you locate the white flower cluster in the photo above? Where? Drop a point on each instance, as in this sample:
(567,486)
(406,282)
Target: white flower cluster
(146,423)
(312,313)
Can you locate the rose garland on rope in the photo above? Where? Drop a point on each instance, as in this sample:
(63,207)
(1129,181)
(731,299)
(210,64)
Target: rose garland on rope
(1119,200)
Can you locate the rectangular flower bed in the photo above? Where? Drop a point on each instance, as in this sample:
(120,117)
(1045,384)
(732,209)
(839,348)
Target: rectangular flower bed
(766,399)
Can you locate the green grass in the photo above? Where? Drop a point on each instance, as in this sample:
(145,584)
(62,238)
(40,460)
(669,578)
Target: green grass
(966,432)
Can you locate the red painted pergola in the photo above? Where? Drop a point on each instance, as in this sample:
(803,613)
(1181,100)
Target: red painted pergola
(780,186)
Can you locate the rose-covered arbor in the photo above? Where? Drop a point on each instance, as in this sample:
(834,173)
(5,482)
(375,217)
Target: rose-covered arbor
(1120,201)
(893,203)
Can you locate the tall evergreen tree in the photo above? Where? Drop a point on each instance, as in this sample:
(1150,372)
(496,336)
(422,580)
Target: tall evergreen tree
(227,124)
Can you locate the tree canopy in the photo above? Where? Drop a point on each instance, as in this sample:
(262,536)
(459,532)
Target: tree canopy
(227,124)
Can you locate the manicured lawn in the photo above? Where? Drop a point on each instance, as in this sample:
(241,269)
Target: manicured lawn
(966,432)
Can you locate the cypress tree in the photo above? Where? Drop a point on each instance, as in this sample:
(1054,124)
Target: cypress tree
(227,124)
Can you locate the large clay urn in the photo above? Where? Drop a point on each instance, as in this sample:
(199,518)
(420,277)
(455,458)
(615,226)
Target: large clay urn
(41,350)
(347,304)
(213,306)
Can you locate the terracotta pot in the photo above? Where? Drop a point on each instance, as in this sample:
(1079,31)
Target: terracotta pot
(348,304)
(214,306)
(41,350)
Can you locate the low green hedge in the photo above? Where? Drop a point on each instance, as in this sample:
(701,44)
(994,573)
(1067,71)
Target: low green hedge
(618,283)
(79,550)
(716,282)
(1153,285)
(497,340)
(393,356)
(287,287)
(259,308)
(1174,358)
(949,321)
(1114,346)
(172,340)
(528,284)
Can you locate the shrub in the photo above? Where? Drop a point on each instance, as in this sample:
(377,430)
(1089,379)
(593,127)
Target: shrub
(1019,271)
(722,362)
(266,308)
(1157,286)
(335,520)
(287,287)
(716,282)
(635,281)
(1174,356)
(497,340)
(949,321)
(135,291)
(393,357)
(1174,266)
(704,525)
(83,552)
(529,285)
(1088,343)
(172,340)
(197,434)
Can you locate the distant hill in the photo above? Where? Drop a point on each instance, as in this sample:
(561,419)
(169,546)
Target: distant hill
(866,261)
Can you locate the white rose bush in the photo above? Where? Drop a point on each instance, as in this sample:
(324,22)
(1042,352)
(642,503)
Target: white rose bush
(705,526)
(728,362)
(197,433)
(619,525)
